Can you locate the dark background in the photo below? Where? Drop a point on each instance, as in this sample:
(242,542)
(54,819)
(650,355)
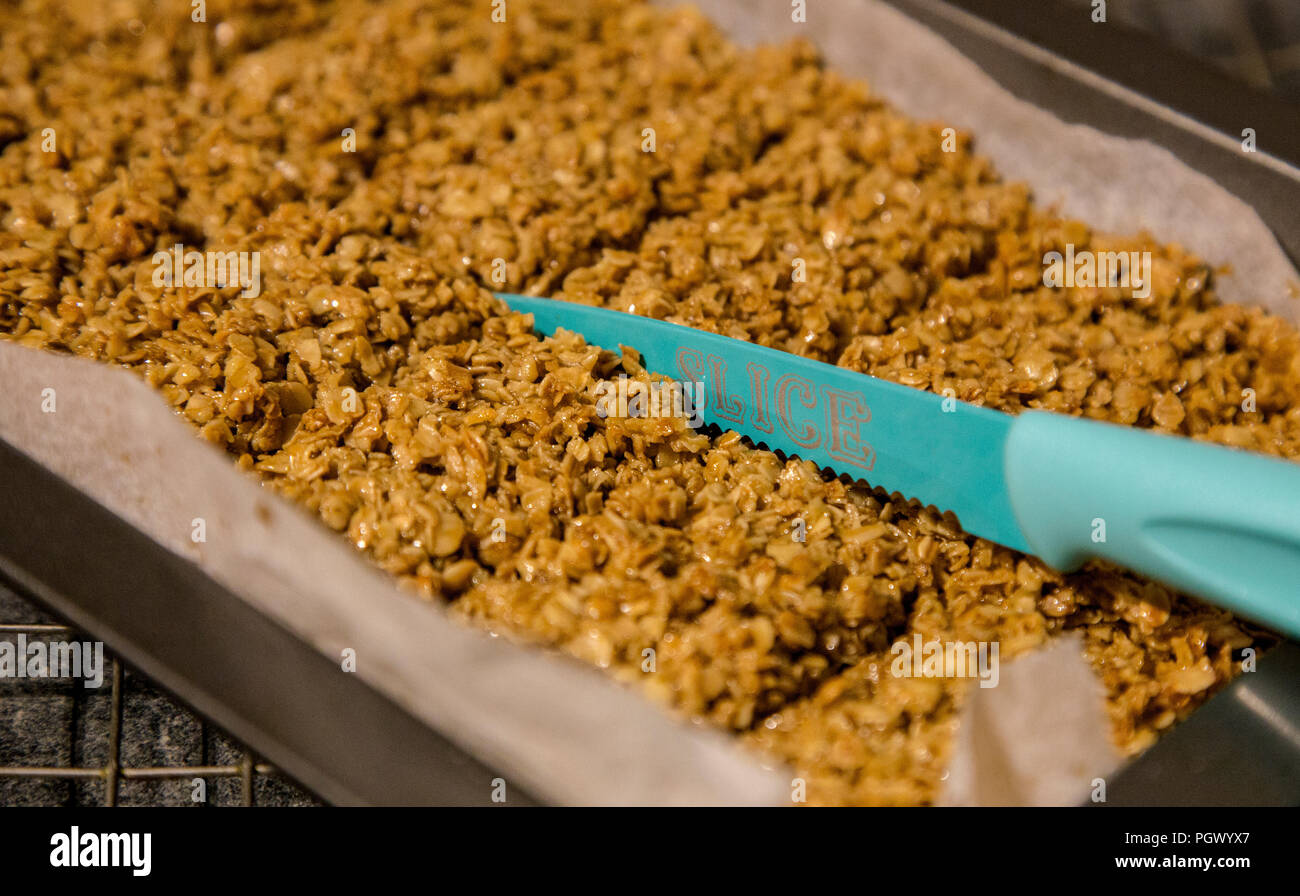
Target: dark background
(1255,41)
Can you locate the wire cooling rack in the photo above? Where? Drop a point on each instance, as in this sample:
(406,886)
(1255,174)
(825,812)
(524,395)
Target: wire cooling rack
(125,743)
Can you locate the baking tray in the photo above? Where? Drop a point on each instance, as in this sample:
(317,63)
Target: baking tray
(352,745)
(164,616)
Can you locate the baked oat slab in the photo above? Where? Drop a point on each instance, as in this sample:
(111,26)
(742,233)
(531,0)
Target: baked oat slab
(385,160)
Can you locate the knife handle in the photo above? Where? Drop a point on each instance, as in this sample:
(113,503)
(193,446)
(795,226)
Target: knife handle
(1215,522)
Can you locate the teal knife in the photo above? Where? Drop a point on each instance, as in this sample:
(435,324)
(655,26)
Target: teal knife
(1219,523)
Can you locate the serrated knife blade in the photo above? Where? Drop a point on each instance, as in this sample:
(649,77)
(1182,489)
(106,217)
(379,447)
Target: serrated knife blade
(941,451)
